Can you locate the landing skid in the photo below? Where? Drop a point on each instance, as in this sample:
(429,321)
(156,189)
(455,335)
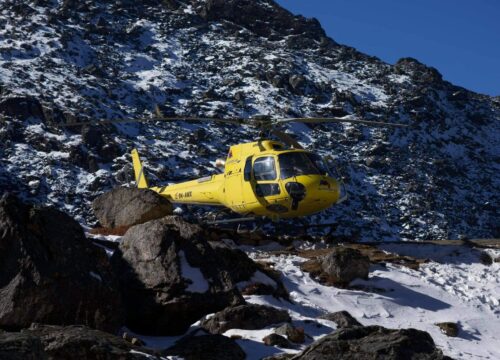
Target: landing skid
(238,224)
(230,221)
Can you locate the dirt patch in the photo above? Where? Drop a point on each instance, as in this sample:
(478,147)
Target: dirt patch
(375,255)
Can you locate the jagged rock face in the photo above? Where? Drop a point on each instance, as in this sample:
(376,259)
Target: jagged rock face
(129,206)
(171,277)
(343,265)
(49,272)
(373,342)
(248,316)
(96,59)
(68,342)
(264,18)
(209,347)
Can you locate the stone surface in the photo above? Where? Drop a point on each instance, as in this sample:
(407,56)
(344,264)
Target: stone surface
(20,346)
(207,347)
(129,206)
(371,343)
(23,107)
(449,328)
(276,340)
(49,271)
(68,343)
(249,317)
(342,318)
(171,276)
(293,334)
(251,14)
(485,258)
(343,265)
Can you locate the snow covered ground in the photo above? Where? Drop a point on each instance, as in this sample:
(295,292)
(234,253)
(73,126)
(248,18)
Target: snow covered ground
(454,286)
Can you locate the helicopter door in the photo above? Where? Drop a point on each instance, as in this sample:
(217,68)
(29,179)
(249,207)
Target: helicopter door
(265,175)
(247,190)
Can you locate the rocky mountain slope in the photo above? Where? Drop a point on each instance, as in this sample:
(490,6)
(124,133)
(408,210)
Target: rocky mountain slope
(169,289)
(66,61)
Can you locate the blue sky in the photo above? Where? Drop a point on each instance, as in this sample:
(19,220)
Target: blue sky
(461,38)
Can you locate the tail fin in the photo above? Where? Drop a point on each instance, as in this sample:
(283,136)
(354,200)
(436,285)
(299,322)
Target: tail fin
(140,177)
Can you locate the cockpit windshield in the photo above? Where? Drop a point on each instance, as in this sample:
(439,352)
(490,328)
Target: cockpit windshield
(301,163)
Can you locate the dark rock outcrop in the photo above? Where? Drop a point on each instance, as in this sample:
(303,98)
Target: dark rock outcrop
(277,340)
(67,343)
(20,346)
(49,271)
(342,318)
(249,317)
(207,347)
(449,328)
(171,276)
(21,107)
(257,17)
(292,333)
(418,71)
(373,342)
(343,265)
(129,206)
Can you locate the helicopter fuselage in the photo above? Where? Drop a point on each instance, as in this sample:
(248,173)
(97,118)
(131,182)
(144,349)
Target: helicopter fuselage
(261,179)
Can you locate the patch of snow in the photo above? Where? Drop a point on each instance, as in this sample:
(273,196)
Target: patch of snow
(95,276)
(198,282)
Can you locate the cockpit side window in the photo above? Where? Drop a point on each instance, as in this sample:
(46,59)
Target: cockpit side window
(247,172)
(264,168)
(319,163)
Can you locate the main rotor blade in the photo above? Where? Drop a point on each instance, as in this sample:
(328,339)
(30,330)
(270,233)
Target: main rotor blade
(233,121)
(287,139)
(339,120)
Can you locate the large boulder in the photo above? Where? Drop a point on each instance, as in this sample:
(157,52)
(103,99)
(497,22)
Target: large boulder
(49,271)
(206,347)
(296,335)
(171,276)
(343,265)
(129,206)
(277,340)
(371,343)
(20,346)
(67,343)
(249,317)
(342,318)
(21,107)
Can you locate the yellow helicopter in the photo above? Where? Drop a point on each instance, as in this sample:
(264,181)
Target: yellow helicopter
(264,178)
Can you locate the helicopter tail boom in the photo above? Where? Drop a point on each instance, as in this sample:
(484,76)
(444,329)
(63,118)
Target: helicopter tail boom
(140,177)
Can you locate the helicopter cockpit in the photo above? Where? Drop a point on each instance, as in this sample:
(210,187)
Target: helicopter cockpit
(301,163)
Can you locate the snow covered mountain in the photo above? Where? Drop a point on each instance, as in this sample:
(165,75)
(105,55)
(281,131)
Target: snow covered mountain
(65,61)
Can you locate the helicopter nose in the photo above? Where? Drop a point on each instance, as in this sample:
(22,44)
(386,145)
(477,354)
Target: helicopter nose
(297,192)
(330,190)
